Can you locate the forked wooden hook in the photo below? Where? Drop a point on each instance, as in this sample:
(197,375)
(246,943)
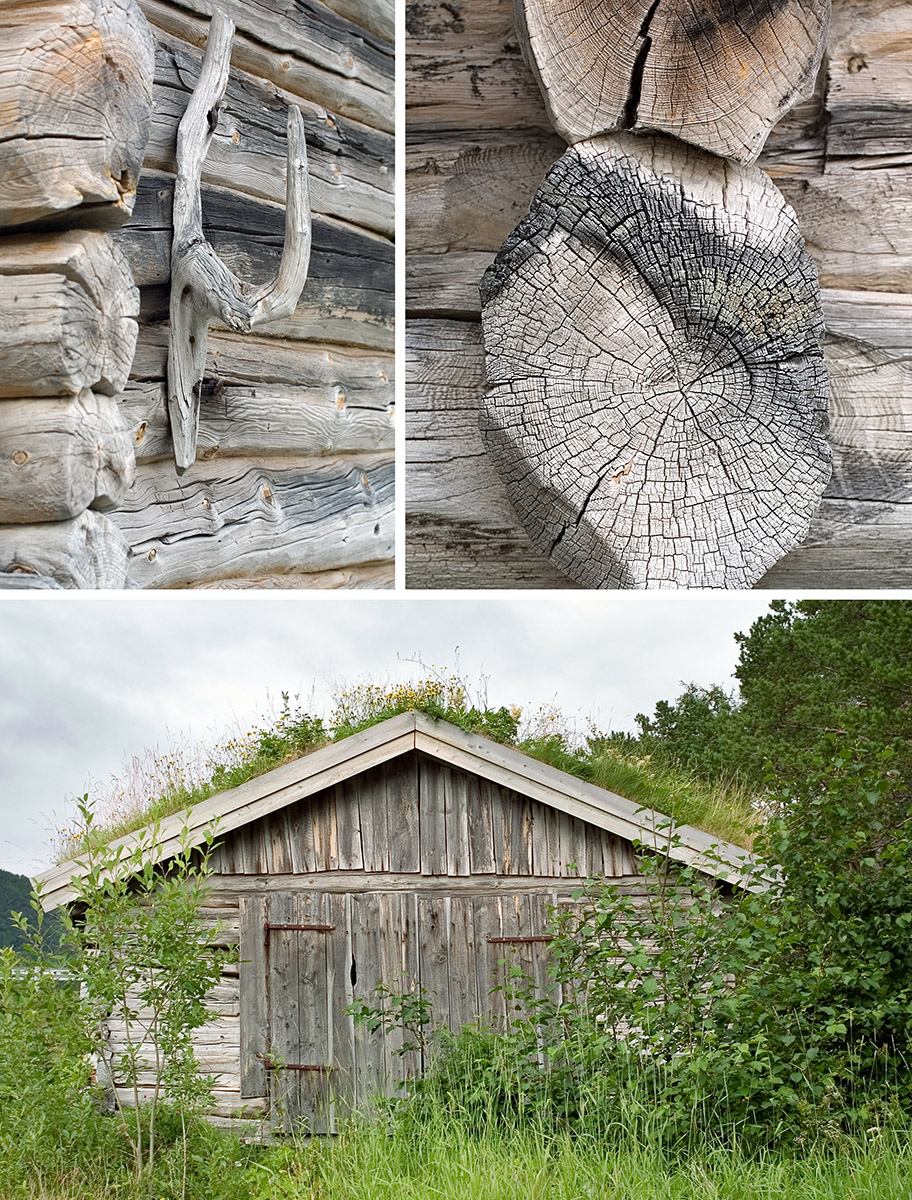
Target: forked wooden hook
(202,287)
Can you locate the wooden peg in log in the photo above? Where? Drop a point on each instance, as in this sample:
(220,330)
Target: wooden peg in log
(657,391)
(75,107)
(202,287)
(68,310)
(717,73)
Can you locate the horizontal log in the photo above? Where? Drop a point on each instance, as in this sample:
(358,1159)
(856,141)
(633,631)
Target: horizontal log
(263,396)
(75,103)
(231,517)
(857,222)
(349,294)
(461,529)
(68,312)
(870,68)
(324,57)
(350,166)
(88,551)
(370,576)
(59,457)
(379,16)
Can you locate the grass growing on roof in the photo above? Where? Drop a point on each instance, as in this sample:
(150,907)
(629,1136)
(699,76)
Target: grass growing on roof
(158,784)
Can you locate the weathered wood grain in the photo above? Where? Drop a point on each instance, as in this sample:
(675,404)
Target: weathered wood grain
(228,516)
(75,102)
(59,457)
(88,551)
(719,77)
(870,93)
(327,58)
(68,312)
(349,298)
(657,396)
(203,288)
(357,578)
(461,530)
(351,165)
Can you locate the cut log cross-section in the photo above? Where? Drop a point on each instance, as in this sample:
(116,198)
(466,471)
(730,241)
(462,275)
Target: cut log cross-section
(717,73)
(657,391)
(75,108)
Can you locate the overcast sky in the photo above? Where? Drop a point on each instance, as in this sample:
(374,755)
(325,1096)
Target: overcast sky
(86,681)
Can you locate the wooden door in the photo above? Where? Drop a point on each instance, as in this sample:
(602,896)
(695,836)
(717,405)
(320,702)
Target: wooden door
(299,940)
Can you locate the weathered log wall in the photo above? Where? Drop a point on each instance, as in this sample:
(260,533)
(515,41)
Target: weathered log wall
(293,484)
(479,145)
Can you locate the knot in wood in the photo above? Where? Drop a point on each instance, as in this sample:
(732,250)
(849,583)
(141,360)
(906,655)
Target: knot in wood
(657,392)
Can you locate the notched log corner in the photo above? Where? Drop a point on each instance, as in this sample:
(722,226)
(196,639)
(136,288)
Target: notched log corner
(657,392)
(76,93)
(716,75)
(202,287)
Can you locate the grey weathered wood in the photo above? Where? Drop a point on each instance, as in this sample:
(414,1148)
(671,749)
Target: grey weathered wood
(76,97)
(432,784)
(325,58)
(316,400)
(339,882)
(59,457)
(719,77)
(402,800)
(202,287)
(87,551)
(372,576)
(671,433)
(254,1032)
(228,516)
(69,311)
(350,164)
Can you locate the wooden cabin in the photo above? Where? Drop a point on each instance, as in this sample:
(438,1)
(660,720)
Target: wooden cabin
(410,854)
(292,486)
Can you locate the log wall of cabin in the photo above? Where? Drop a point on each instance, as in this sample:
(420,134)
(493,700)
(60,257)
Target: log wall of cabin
(293,484)
(414,866)
(479,144)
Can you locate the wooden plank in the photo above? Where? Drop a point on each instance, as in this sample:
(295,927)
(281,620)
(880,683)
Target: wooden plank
(226,516)
(402,815)
(350,166)
(379,16)
(87,551)
(432,818)
(283,1011)
(481,833)
(303,842)
(433,953)
(341,1049)
(489,1003)
(348,826)
(369,1054)
(337,63)
(313,1106)
(461,965)
(69,309)
(76,97)
(359,577)
(326,841)
(338,882)
(457,829)
(373,785)
(254,1017)
(59,457)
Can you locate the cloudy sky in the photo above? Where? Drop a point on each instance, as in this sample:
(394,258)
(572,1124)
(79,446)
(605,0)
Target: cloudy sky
(86,681)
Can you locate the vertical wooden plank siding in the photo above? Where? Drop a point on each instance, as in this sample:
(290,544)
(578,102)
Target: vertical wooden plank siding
(253,997)
(432,816)
(402,804)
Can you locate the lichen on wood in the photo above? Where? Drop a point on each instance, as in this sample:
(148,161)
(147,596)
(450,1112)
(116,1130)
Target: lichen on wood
(657,393)
(716,73)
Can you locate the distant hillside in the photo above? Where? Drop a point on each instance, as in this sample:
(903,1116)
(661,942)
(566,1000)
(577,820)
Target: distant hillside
(15,896)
